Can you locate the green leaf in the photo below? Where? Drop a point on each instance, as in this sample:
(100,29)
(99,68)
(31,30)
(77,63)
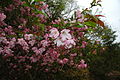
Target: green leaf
(63,27)
(89,29)
(42,27)
(67,25)
(56,25)
(100,5)
(38,11)
(38,0)
(79,26)
(90,23)
(10,36)
(25,4)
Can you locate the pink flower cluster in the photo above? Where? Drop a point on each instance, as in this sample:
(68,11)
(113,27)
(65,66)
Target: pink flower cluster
(23,43)
(26,45)
(63,61)
(79,16)
(62,39)
(82,64)
(2,17)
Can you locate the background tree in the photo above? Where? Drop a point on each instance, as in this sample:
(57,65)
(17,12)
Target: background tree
(60,8)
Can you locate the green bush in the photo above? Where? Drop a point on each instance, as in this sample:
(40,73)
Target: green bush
(106,65)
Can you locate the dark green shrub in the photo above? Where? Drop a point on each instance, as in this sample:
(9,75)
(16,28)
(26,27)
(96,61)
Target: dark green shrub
(106,65)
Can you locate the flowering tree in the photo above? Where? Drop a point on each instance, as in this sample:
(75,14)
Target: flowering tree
(29,43)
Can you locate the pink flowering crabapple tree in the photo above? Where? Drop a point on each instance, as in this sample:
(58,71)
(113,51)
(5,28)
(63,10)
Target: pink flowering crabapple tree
(29,43)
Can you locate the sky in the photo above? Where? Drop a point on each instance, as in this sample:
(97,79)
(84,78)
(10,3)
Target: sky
(110,9)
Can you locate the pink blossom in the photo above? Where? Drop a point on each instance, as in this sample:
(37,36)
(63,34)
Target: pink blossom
(37,51)
(57,21)
(7,50)
(69,43)
(72,63)
(53,22)
(2,16)
(9,8)
(43,64)
(73,21)
(28,67)
(48,13)
(83,44)
(54,55)
(34,48)
(42,50)
(73,55)
(9,30)
(2,23)
(54,33)
(44,43)
(1,50)
(80,20)
(28,36)
(59,42)
(22,10)
(41,2)
(26,30)
(22,20)
(46,36)
(26,48)
(20,26)
(14,66)
(12,43)
(82,61)
(4,40)
(32,42)
(78,14)
(46,70)
(33,59)
(44,6)
(61,62)
(42,17)
(23,43)
(82,64)
(47,58)
(65,34)
(14,39)
(65,22)
(81,34)
(65,60)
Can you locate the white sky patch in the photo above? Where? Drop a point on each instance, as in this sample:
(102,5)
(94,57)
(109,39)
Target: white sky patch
(110,9)
(84,3)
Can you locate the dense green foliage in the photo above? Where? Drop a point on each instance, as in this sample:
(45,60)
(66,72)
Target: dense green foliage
(105,65)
